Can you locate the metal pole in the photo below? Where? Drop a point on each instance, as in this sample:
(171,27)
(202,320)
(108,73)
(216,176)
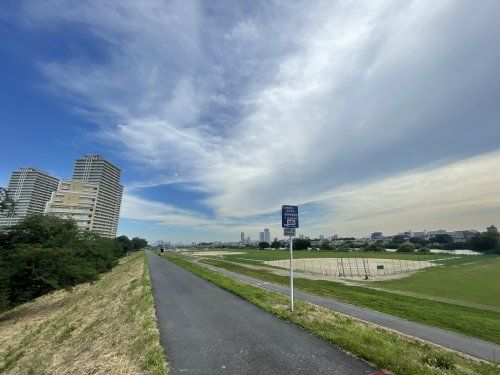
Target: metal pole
(291,273)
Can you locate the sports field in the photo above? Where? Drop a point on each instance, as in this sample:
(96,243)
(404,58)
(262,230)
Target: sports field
(353,267)
(251,256)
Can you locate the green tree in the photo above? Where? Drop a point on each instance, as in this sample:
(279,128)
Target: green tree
(453,246)
(398,239)
(325,246)
(138,243)
(374,247)
(485,241)
(406,248)
(263,245)
(7,204)
(301,244)
(44,253)
(419,241)
(442,238)
(275,245)
(44,230)
(349,244)
(125,243)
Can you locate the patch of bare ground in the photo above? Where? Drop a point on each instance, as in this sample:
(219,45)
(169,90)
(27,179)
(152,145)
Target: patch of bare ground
(107,327)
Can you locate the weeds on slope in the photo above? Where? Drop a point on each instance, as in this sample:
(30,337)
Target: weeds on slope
(105,327)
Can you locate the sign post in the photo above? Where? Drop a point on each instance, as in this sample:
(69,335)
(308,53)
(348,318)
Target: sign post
(290,221)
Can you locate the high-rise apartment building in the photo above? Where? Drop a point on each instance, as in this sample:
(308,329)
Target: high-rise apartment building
(93,168)
(75,200)
(242,237)
(267,235)
(261,236)
(31,190)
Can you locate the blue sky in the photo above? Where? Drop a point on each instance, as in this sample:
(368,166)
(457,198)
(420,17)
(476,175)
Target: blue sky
(370,115)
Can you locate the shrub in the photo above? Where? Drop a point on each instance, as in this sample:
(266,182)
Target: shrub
(442,361)
(406,248)
(424,250)
(325,246)
(373,247)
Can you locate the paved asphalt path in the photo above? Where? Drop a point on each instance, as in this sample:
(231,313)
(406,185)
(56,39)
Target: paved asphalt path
(207,330)
(461,343)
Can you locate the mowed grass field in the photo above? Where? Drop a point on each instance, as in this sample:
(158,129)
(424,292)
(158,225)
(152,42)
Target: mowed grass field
(476,283)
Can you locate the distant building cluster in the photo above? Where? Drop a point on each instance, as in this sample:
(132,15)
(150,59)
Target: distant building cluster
(265,236)
(456,235)
(92,197)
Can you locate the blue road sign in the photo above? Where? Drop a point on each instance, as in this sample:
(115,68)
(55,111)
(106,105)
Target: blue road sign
(290,216)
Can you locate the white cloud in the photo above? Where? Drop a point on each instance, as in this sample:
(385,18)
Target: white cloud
(287,102)
(137,208)
(458,195)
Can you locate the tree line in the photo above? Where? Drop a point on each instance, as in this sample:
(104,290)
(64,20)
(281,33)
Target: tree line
(486,242)
(44,253)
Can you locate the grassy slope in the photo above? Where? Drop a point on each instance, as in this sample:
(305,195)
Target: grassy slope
(105,327)
(477,283)
(383,348)
(469,321)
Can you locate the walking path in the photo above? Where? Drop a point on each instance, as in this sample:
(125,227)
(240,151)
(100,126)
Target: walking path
(207,330)
(475,347)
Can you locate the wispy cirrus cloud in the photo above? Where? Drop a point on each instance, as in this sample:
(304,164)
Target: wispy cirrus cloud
(261,104)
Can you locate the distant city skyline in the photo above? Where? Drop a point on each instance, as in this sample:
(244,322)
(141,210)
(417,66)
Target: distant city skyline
(370,118)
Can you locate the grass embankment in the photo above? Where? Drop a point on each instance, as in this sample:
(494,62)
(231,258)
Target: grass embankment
(382,348)
(476,283)
(105,327)
(483,324)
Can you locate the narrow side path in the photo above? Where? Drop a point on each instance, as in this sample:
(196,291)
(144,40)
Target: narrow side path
(207,330)
(468,345)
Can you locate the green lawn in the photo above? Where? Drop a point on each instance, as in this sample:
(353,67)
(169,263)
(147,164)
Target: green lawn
(476,283)
(480,323)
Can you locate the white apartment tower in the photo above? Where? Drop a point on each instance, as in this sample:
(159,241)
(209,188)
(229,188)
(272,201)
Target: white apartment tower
(95,169)
(31,190)
(267,235)
(75,200)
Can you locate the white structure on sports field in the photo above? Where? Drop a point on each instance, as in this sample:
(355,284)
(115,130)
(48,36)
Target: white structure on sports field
(75,200)
(31,189)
